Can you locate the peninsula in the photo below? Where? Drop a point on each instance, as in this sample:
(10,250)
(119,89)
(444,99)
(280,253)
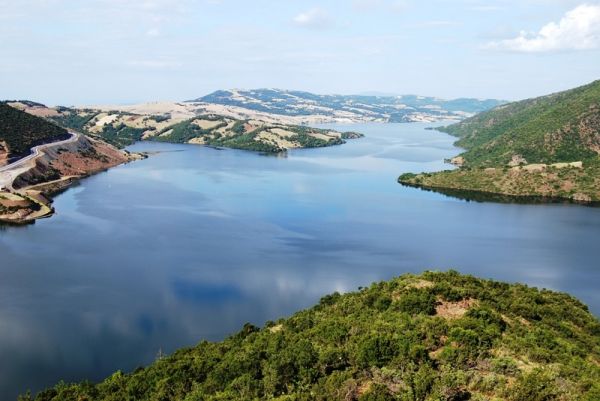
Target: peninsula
(435,336)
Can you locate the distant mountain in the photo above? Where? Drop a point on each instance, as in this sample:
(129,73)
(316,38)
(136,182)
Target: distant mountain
(406,108)
(547,147)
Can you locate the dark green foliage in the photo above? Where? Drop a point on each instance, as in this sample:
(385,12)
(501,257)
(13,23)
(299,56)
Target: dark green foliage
(72,119)
(358,346)
(535,386)
(547,129)
(416,301)
(22,131)
(121,135)
(560,128)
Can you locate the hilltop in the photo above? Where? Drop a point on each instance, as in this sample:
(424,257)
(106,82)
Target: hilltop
(348,108)
(547,147)
(435,336)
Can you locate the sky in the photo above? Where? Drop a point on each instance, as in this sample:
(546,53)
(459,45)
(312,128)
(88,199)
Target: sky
(71,52)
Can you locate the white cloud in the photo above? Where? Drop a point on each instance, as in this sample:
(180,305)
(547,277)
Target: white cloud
(314,18)
(371,5)
(579,29)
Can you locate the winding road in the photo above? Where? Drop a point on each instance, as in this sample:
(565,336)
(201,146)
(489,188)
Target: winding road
(11,171)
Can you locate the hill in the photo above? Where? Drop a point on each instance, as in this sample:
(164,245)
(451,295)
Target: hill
(122,128)
(356,108)
(20,131)
(436,336)
(546,147)
(562,127)
(26,183)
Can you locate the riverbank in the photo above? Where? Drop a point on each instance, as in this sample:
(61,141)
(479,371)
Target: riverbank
(536,183)
(28,185)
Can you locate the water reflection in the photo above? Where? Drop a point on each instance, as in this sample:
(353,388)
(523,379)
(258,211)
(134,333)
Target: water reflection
(191,244)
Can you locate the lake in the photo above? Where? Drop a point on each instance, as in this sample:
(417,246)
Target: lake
(193,242)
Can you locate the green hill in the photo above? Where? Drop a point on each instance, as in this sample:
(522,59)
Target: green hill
(437,336)
(518,149)
(562,127)
(21,131)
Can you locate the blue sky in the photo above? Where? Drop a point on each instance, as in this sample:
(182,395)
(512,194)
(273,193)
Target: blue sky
(117,51)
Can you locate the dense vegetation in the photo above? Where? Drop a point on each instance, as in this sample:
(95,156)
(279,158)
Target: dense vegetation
(437,336)
(240,134)
(560,128)
(121,135)
(22,131)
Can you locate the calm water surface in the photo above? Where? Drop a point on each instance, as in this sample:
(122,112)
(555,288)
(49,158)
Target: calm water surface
(193,242)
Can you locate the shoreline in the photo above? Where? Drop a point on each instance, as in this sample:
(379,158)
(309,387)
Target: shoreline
(474,195)
(34,202)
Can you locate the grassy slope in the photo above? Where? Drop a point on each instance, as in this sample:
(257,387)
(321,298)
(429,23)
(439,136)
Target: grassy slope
(122,135)
(438,336)
(22,131)
(562,127)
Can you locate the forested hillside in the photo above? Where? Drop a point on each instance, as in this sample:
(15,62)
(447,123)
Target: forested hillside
(562,127)
(437,336)
(21,131)
(543,148)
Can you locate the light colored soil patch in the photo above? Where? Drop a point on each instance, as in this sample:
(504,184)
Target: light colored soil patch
(167,133)
(207,124)
(226,131)
(421,284)
(276,328)
(13,201)
(282,132)
(177,110)
(568,165)
(197,141)
(413,284)
(107,119)
(3,154)
(321,136)
(454,310)
(266,136)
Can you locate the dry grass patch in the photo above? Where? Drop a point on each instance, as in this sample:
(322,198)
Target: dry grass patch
(207,124)
(454,310)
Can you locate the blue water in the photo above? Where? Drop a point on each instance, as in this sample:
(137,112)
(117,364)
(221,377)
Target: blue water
(193,242)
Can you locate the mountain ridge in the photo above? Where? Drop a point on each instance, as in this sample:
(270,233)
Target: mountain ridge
(400,108)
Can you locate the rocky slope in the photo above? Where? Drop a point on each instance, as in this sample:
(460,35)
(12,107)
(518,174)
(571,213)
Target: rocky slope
(437,336)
